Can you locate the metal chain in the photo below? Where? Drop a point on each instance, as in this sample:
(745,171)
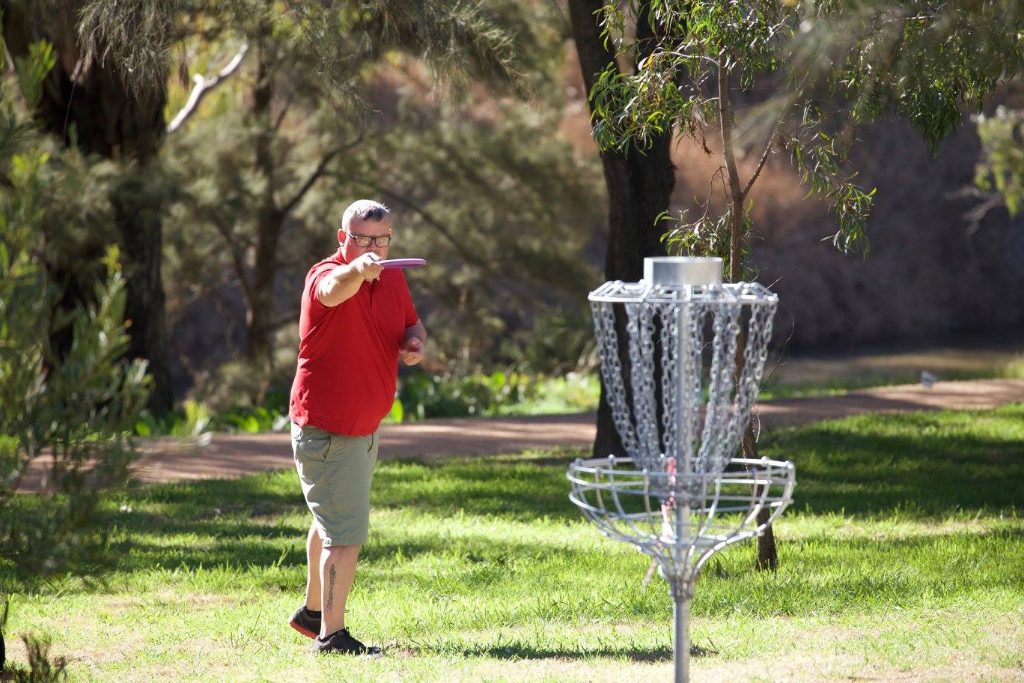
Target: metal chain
(703,410)
(611,372)
(640,326)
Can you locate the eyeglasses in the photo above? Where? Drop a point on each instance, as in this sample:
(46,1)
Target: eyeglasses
(364,241)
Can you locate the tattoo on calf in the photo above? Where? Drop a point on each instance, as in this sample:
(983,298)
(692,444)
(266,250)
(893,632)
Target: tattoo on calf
(330,588)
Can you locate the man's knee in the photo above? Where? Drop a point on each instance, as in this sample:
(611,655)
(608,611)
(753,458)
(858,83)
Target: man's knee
(341,548)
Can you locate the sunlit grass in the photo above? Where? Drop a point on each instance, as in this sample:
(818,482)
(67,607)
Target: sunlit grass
(903,556)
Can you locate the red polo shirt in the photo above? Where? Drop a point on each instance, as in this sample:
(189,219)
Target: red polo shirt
(348,354)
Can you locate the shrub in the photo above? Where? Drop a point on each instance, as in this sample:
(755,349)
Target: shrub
(74,406)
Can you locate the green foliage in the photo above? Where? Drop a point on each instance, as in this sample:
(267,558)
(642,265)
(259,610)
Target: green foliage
(820,169)
(42,667)
(1001,167)
(423,395)
(572,392)
(709,235)
(197,420)
(32,70)
(459,40)
(426,395)
(277,148)
(702,56)
(923,60)
(501,222)
(74,406)
(557,340)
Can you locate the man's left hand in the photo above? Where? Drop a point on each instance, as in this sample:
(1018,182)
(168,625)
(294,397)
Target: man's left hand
(411,352)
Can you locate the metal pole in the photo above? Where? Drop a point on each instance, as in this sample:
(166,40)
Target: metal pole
(682,645)
(682,603)
(684,464)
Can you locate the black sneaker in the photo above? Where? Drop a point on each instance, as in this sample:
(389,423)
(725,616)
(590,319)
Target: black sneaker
(342,643)
(305,623)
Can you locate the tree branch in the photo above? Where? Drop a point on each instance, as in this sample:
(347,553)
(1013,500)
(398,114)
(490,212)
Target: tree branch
(306,186)
(725,121)
(736,198)
(284,111)
(764,154)
(237,259)
(430,220)
(319,171)
(203,86)
(989,201)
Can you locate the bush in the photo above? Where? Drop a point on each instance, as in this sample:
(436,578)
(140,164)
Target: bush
(423,395)
(74,406)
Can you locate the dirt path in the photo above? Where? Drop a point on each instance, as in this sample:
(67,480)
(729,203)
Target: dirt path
(231,455)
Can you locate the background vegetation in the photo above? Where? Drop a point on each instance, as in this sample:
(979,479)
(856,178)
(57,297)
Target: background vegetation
(169,171)
(255,122)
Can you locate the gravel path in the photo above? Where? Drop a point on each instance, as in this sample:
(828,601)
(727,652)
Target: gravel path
(231,455)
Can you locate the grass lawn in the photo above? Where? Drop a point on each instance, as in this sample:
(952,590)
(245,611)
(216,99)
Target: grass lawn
(901,559)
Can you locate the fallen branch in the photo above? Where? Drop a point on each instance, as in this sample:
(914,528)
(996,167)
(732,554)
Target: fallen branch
(204,85)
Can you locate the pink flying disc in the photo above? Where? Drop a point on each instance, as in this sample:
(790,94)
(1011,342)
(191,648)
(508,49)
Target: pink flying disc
(403,263)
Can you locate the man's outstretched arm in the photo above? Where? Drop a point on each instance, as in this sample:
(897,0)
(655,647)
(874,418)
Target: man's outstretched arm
(342,283)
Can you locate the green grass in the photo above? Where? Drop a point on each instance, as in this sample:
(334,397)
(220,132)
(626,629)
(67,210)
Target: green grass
(902,558)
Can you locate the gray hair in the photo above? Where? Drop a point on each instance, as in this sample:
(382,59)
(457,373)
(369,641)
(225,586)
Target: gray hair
(364,210)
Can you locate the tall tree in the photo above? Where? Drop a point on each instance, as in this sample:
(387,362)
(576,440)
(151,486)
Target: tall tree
(830,66)
(301,113)
(109,92)
(90,101)
(639,181)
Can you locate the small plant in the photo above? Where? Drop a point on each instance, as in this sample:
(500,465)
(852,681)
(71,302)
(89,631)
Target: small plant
(42,668)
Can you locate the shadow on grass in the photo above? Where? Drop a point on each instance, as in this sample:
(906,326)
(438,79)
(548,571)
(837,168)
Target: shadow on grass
(630,651)
(234,522)
(520,650)
(519,491)
(927,465)
(923,464)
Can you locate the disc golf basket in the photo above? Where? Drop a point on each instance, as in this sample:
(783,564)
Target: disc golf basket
(677,493)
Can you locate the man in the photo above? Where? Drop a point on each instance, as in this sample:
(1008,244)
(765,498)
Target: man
(357,319)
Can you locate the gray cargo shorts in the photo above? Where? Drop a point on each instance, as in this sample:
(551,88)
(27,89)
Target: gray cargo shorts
(336,471)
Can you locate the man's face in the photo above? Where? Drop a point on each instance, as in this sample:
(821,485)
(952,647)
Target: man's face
(359,229)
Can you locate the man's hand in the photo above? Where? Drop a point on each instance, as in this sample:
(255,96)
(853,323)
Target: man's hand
(368,266)
(411,351)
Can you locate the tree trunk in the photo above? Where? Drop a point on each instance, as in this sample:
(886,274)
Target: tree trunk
(269,219)
(139,221)
(639,187)
(101,116)
(259,318)
(767,553)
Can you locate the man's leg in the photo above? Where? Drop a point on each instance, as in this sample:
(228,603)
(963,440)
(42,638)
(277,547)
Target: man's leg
(314,546)
(337,572)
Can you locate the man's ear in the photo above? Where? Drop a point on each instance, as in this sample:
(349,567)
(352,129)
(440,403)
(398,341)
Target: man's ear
(341,236)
